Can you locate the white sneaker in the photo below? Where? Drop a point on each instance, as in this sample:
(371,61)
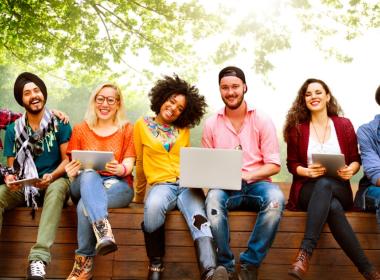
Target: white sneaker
(36,270)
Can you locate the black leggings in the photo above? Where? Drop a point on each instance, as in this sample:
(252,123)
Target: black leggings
(325,200)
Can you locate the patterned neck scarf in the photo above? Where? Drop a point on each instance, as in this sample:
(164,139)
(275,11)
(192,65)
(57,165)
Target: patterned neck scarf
(28,145)
(166,134)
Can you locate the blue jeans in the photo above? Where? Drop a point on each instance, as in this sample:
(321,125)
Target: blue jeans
(165,197)
(372,201)
(263,197)
(95,194)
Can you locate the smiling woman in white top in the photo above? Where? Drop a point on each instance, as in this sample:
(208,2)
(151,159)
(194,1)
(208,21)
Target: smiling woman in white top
(313,125)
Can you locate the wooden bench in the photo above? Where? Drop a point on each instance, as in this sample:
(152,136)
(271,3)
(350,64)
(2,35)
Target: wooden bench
(130,261)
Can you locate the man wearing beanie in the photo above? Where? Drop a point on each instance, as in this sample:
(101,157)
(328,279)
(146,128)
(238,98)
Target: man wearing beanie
(241,126)
(367,198)
(35,146)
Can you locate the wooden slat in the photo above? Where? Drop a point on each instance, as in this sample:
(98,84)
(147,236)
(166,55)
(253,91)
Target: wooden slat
(130,262)
(59,268)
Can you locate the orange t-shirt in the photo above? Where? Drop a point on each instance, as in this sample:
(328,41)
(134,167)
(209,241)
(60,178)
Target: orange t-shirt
(120,143)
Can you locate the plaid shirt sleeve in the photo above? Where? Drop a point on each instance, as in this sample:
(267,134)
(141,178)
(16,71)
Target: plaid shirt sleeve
(7,117)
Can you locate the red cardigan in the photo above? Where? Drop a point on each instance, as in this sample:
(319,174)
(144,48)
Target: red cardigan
(297,152)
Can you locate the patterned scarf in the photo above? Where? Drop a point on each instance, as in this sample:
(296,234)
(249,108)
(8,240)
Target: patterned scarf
(165,133)
(28,145)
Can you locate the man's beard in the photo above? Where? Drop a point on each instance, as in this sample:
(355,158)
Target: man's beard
(28,107)
(235,106)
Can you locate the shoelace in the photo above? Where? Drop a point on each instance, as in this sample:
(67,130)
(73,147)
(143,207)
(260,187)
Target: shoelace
(302,257)
(102,228)
(156,268)
(79,267)
(37,268)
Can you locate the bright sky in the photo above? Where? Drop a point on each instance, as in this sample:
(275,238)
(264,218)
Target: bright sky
(353,84)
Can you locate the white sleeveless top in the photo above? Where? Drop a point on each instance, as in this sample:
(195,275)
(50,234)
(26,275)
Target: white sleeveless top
(331,146)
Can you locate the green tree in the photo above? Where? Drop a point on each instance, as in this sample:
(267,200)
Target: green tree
(91,35)
(259,35)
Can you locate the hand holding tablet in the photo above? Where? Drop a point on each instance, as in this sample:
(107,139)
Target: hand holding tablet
(17,184)
(92,159)
(332,162)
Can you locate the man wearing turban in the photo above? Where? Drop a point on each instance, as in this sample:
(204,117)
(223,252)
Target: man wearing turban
(35,146)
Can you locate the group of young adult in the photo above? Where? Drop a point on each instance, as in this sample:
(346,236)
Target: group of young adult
(39,144)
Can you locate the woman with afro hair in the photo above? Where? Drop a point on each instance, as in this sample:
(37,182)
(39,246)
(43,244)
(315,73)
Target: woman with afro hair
(178,106)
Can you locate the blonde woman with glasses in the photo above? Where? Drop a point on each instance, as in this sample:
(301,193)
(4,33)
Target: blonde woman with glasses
(105,128)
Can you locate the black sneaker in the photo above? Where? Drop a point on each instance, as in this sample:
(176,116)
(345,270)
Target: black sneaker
(36,270)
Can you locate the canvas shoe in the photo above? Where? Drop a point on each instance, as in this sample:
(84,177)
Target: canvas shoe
(36,270)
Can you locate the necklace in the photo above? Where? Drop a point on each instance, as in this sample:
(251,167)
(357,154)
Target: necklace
(324,134)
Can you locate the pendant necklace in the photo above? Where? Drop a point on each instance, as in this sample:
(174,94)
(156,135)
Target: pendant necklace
(324,134)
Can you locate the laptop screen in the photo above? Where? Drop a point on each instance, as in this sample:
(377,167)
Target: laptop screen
(210,168)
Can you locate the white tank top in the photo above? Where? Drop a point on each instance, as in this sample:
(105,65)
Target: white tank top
(331,146)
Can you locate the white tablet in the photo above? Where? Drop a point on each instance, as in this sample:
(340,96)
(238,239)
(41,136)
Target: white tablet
(92,159)
(332,162)
(26,182)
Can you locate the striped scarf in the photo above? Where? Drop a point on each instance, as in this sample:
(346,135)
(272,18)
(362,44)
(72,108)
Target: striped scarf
(26,142)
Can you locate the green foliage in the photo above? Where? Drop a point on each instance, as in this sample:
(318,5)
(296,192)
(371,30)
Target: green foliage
(91,35)
(329,22)
(337,19)
(300,4)
(261,35)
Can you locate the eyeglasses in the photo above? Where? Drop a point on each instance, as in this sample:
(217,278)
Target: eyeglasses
(99,99)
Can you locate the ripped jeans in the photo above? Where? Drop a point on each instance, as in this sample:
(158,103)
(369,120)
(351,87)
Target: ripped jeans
(94,198)
(165,197)
(263,197)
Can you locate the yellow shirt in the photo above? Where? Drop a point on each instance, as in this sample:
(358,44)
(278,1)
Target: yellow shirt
(154,164)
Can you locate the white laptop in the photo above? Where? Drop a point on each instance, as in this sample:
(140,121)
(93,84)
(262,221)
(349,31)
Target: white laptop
(92,159)
(210,168)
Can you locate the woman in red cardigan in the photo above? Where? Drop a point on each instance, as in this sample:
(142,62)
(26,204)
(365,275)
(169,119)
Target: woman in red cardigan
(313,125)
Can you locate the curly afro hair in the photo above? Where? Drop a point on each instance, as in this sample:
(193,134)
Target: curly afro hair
(195,103)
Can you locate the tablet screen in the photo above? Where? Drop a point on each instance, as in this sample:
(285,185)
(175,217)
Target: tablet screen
(92,159)
(332,162)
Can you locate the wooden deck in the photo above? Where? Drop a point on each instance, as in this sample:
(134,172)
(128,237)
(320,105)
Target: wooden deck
(130,261)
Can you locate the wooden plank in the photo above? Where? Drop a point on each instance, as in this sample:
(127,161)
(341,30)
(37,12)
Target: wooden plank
(138,270)
(17,234)
(130,261)
(21,250)
(317,272)
(21,216)
(16,267)
(361,222)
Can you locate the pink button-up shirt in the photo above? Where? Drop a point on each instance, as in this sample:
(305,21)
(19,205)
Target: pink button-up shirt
(257,138)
